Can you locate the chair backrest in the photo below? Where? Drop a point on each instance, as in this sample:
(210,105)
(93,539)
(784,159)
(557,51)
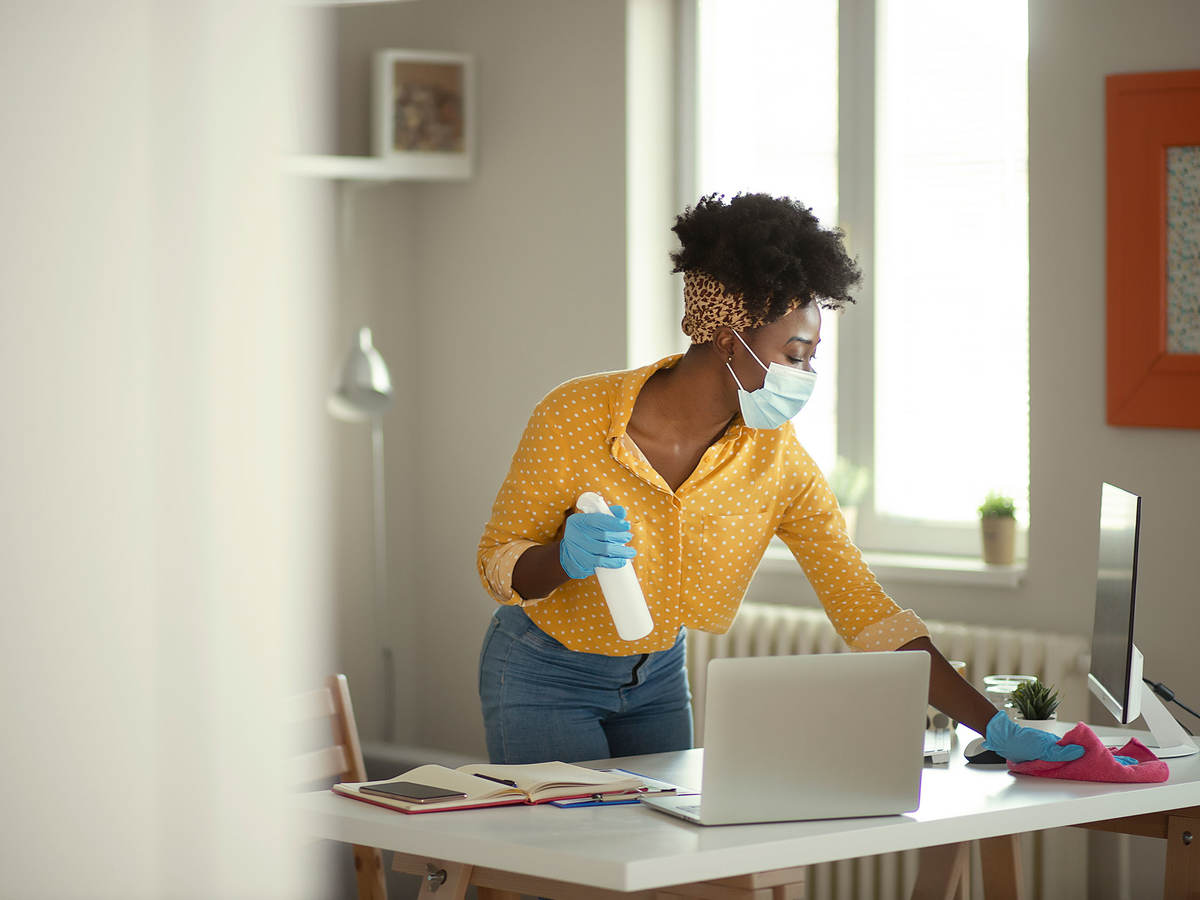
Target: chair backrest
(340,760)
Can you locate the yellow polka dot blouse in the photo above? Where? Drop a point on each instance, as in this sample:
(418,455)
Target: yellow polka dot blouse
(697,547)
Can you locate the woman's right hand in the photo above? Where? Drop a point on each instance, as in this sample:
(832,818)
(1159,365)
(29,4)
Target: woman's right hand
(595,540)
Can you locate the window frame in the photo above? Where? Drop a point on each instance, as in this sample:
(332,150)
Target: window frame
(856,182)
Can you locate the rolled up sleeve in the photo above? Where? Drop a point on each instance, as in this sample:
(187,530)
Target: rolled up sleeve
(530,507)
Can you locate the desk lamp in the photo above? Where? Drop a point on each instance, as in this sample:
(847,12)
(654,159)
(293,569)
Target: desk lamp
(363,392)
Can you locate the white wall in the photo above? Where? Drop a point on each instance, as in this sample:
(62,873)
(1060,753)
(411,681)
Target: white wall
(1073,45)
(515,282)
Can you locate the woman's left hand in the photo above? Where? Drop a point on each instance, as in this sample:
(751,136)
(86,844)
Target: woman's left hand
(1018,743)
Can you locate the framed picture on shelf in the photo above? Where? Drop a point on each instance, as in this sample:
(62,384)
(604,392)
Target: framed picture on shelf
(1153,265)
(424,112)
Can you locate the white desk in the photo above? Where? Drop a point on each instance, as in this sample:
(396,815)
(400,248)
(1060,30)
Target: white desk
(634,849)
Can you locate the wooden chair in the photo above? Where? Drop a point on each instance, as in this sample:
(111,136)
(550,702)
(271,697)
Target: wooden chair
(341,760)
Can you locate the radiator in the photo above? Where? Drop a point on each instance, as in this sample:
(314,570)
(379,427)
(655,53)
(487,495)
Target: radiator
(1054,862)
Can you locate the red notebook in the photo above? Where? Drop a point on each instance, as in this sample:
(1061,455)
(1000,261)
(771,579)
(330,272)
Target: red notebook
(482,784)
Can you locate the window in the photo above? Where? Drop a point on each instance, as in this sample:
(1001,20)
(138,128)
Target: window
(749,59)
(904,121)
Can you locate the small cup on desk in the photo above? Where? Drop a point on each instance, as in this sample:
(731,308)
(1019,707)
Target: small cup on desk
(1014,680)
(999,688)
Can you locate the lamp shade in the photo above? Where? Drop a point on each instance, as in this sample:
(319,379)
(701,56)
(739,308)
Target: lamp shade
(364,387)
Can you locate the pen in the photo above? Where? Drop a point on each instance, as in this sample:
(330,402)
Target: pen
(504,781)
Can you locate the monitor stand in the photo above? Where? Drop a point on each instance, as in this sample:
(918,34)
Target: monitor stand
(1168,737)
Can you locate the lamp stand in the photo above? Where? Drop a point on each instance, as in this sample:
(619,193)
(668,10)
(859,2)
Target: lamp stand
(389,662)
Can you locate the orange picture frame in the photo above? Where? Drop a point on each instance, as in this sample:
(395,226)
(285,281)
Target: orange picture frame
(1147,384)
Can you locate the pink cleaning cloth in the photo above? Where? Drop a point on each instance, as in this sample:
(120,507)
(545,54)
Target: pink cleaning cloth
(1097,763)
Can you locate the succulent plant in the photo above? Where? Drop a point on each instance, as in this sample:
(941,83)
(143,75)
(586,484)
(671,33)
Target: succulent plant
(1034,700)
(998,506)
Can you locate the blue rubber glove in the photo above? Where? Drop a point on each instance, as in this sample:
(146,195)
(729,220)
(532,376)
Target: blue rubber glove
(592,540)
(1019,744)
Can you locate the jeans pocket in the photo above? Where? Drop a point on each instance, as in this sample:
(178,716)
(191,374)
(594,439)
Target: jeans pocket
(535,637)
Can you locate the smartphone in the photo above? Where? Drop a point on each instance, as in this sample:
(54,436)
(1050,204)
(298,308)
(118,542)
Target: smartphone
(411,791)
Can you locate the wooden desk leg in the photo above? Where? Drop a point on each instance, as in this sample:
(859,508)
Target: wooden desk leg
(485,893)
(1183,858)
(368,872)
(941,872)
(1000,860)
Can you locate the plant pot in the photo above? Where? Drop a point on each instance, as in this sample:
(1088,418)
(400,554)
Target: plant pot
(1040,724)
(999,539)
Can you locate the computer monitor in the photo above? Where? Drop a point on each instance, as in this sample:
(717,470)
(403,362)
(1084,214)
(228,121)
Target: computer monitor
(1115,675)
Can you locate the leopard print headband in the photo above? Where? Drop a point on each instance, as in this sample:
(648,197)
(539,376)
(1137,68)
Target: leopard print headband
(707,305)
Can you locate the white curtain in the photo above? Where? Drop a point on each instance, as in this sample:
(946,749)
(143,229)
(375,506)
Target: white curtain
(161,575)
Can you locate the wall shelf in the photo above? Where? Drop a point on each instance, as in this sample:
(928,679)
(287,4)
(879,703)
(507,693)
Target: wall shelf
(335,3)
(347,168)
(373,168)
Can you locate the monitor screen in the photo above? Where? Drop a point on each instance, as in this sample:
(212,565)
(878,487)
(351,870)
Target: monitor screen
(1116,583)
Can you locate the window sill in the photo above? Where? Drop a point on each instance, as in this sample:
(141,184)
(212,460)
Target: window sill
(914,567)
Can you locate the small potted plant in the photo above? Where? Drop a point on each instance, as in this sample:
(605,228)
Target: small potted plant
(998,522)
(849,484)
(1035,703)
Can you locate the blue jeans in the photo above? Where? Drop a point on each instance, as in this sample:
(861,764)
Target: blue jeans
(543,702)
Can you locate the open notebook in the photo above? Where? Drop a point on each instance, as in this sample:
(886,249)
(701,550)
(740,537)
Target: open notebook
(499,785)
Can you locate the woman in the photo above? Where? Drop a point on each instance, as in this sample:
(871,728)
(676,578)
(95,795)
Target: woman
(697,455)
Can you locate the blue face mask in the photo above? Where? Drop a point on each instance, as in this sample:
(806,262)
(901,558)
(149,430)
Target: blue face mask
(783,394)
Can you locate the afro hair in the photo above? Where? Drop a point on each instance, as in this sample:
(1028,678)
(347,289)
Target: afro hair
(769,249)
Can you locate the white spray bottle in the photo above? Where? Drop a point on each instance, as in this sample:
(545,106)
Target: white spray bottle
(622,593)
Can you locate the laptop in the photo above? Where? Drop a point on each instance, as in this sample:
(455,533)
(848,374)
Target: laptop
(818,736)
